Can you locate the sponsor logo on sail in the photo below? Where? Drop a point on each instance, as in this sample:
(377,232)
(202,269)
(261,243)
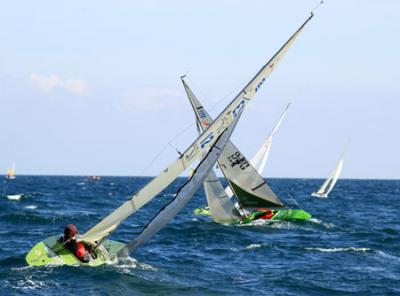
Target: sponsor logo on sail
(261,82)
(238,108)
(207,140)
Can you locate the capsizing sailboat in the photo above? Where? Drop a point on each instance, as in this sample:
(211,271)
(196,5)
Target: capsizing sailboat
(250,189)
(49,252)
(244,182)
(330,182)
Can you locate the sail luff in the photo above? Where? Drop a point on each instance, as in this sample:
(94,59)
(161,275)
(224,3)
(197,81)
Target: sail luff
(184,194)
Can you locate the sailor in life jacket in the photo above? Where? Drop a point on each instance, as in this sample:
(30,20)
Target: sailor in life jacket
(80,249)
(262,213)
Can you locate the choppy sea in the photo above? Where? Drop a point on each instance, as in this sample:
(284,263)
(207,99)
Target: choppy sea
(350,247)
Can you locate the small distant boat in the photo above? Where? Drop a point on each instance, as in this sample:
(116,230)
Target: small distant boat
(11,173)
(330,182)
(14,196)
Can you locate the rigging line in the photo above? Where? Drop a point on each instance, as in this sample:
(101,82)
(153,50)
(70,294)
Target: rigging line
(154,159)
(292,198)
(225,97)
(316,7)
(185,129)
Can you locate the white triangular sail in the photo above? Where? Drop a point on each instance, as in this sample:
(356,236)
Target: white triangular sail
(330,182)
(185,193)
(221,207)
(260,158)
(154,187)
(200,145)
(250,188)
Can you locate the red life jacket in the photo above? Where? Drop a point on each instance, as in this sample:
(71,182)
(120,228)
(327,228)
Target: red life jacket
(267,216)
(80,250)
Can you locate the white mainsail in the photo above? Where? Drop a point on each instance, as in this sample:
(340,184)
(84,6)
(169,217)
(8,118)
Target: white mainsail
(251,188)
(200,145)
(260,158)
(221,207)
(330,182)
(154,187)
(184,194)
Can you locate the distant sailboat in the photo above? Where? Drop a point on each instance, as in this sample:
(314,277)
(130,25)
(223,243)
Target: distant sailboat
(330,182)
(11,173)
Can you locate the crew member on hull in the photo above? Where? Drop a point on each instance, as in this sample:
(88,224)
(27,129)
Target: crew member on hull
(80,249)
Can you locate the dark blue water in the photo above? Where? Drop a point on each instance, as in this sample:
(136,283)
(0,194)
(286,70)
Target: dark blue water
(351,247)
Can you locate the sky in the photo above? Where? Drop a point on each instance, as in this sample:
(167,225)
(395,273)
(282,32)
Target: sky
(93,88)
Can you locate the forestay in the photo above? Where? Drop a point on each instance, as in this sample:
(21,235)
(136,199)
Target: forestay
(200,145)
(184,194)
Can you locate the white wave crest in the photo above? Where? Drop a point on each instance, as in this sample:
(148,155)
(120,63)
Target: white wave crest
(128,263)
(31,207)
(253,246)
(14,196)
(317,221)
(335,250)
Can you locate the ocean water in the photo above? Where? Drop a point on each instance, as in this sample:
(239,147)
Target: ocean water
(350,247)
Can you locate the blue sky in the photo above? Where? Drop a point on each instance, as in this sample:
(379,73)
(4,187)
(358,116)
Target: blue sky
(92,87)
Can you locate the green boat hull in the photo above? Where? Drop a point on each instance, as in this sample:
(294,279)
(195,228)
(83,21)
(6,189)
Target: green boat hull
(280,215)
(51,252)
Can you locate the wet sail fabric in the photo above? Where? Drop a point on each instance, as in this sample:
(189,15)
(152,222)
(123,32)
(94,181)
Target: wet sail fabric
(250,188)
(184,194)
(330,182)
(221,207)
(260,158)
(200,145)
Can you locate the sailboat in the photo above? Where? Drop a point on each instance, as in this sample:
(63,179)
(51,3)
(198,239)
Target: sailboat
(11,172)
(330,182)
(50,251)
(244,181)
